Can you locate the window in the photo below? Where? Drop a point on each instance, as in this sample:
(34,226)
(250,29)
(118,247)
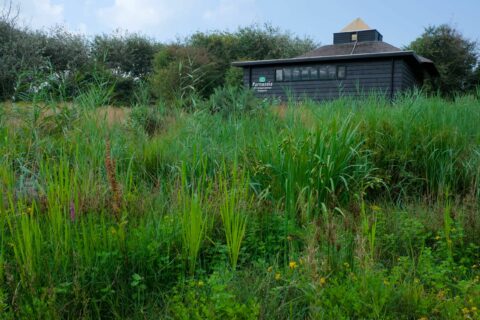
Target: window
(306,73)
(354,37)
(322,72)
(332,72)
(296,74)
(279,75)
(341,72)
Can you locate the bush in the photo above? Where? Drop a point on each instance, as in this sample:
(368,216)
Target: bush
(148,118)
(182,74)
(230,101)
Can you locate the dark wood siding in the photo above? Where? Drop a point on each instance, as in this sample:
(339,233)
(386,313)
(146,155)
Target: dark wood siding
(342,37)
(361,78)
(409,79)
(365,35)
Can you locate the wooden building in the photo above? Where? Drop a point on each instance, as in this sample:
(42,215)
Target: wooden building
(357,63)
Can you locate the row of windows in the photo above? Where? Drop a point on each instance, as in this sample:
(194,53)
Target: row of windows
(325,72)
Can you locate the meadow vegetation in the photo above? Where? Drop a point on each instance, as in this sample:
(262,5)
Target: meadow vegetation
(240,209)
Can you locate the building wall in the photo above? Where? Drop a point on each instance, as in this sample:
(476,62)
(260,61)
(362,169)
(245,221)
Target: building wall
(361,78)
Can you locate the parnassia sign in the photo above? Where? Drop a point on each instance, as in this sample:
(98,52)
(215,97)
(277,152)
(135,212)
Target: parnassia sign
(262,85)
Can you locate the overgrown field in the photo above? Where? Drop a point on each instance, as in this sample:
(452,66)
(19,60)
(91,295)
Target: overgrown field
(359,209)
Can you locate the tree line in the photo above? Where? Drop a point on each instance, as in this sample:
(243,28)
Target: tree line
(62,64)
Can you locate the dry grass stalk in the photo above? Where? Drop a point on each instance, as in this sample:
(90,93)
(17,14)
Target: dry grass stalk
(110,166)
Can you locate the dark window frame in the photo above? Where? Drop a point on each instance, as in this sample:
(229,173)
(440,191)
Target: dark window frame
(316,67)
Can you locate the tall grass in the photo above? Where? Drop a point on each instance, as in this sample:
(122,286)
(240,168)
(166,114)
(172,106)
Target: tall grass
(332,210)
(194,221)
(235,202)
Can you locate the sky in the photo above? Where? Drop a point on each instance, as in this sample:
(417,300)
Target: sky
(400,22)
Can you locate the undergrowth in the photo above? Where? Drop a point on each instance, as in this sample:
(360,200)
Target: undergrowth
(361,209)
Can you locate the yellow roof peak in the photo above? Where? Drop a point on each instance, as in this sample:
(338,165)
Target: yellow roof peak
(356,25)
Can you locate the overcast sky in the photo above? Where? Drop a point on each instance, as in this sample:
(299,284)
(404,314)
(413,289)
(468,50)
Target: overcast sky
(399,21)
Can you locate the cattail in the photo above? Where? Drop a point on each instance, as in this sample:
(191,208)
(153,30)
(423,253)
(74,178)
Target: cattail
(112,180)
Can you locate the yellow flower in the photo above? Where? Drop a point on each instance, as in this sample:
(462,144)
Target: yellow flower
(322,281)
(474,309)
(465,310)
(441,294)
(375,208)
(416,280)
(385,282)
(423,318)
(278,276)
(292,265)
(270,269)
(437,238)
(200,283)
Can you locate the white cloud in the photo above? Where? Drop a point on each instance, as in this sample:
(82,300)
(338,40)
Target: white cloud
(40,13)
(137,15)
(167,19)
(227,12)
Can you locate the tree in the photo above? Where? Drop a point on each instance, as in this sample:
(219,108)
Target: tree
(454,56)
(130,54)
(182,74)
(20,50)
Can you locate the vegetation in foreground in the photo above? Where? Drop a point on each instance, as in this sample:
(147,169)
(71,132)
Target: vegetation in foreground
(348,209)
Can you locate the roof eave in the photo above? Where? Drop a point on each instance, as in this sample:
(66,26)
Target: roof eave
(324,58)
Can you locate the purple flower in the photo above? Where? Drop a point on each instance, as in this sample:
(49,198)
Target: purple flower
(72,211)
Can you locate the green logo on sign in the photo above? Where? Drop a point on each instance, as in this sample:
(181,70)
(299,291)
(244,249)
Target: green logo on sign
(262,79)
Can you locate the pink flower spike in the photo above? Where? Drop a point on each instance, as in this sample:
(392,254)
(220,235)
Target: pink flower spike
(72,211)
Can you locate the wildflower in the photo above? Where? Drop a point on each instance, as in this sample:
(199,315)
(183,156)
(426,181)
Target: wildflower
(72,211)
(385,282)
(416,280)
(441,294)
(375,208)
(465,311)
(292,265)
(278,276)
(30,210)
(200,284)
(474,309)
(322,281)
(437,238)
(270,269)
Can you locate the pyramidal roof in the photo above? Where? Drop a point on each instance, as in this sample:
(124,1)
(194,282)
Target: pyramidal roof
(356,25)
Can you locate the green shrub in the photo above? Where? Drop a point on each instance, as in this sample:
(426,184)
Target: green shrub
(149,118)
(232,101)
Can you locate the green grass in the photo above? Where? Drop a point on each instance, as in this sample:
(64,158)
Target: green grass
(344,209)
